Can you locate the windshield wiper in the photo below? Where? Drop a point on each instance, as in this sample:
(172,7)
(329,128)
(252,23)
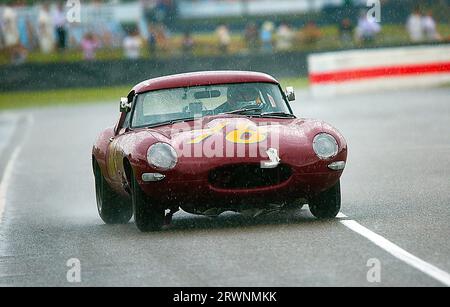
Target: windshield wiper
(243,111)
(257,112)
(277,114)
(170,122)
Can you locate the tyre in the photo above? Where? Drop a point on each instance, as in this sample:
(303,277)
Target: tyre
(112,207)
(327,204)
(147,216)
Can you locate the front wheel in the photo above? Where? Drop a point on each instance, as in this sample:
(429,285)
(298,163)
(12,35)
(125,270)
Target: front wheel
(148,217)
(112,208)
(326,205)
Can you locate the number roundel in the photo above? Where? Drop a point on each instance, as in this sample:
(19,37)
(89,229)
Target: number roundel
(241,135)
(245,136)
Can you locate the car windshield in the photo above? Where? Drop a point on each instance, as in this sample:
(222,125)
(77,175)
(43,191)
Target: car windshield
(175,104)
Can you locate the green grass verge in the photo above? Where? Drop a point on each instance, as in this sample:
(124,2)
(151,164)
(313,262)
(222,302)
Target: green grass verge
(17,100)
(297,83)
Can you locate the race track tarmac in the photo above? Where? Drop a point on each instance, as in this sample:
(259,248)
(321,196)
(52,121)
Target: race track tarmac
(397,185)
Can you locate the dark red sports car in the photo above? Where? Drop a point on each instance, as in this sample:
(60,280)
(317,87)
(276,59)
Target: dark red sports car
(209,142)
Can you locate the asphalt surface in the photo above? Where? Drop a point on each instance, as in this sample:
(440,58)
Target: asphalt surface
(397,184)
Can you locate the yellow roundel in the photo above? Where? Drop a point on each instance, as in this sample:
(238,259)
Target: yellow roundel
(241,135)
(246,136)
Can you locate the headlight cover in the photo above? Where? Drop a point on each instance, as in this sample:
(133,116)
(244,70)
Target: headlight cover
(162,156)
(325,146)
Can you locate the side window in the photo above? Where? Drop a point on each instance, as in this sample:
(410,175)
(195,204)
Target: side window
(126,123)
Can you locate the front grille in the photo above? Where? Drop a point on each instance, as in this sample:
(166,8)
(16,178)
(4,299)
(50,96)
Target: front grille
(248,176)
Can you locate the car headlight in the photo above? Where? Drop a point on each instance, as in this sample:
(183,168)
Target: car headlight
(325,146)
(162,156)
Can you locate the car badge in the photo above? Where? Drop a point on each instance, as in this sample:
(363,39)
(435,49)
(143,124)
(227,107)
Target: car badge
(274,159)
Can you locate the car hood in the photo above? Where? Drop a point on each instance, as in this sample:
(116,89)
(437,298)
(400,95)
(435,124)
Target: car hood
(219,127)
(250,136)
(214,141)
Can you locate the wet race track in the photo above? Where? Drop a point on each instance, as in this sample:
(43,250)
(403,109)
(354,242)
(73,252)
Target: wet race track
(395,192)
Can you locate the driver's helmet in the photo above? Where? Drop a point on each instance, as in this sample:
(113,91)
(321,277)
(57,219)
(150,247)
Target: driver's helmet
(243,94)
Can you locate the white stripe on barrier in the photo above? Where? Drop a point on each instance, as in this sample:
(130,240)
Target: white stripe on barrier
(360,71)
(357,59)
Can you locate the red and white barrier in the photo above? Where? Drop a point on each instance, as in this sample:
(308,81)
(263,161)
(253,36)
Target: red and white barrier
(374,70)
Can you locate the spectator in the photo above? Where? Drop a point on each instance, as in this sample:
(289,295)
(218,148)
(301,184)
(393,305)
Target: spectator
(25,36)
(367,29)
(252,36)
(414,26)
(33,39)
(89,45)
(159,11)
(223,34)
(161,37)
(2,37)
(311,33)
(45,32)
(429,28)
(11,31)
(346,29)
(11,37)
(285,36)
(188,43)
(59,21)
(267,37)
(2,40)
(151,40)
(132,45)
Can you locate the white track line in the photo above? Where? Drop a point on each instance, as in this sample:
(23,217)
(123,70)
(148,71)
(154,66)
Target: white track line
(4,184)
(7,175)
(397,251)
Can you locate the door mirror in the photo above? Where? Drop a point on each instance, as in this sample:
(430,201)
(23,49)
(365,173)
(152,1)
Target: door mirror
(125,105)
(290,93)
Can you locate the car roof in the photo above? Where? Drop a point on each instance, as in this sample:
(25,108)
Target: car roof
(202,78)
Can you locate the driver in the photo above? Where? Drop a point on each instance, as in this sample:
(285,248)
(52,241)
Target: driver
(238,97)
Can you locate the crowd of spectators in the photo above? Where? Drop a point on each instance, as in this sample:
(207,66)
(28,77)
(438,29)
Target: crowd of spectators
(422,27)
(44,29)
